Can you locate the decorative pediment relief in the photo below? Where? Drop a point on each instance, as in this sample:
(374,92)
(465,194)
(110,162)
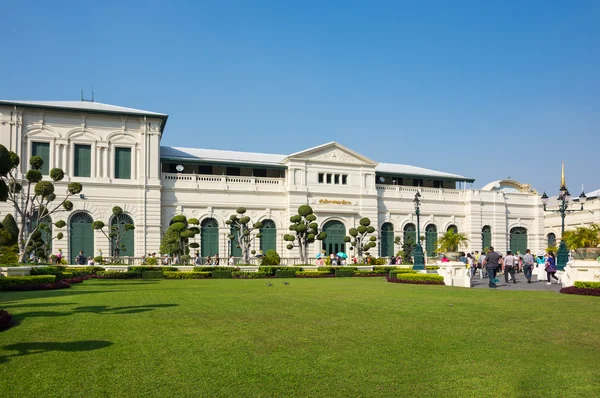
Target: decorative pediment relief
(333,153)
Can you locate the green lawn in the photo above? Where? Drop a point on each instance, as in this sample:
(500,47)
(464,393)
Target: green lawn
(343,337)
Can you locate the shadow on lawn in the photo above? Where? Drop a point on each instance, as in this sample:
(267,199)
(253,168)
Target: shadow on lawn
(41,347)
(92,309)
(36,305)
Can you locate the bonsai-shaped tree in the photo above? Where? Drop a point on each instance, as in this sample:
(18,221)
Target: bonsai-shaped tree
(32,198)
(362,241)
(408,246)
(451,241)
(306,231)
(45,228)
(176,239)
(116,233)
(242,231)
(582,237)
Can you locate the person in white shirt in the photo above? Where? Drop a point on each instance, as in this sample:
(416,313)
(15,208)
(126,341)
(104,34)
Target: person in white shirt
(509,267)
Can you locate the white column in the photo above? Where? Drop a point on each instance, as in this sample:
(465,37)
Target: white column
(107,173)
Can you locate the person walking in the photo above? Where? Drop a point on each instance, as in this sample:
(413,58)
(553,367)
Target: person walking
(509,267)
(528,263)
(551,268)
(471,265)
(480,261)
(492,263)
(81,259)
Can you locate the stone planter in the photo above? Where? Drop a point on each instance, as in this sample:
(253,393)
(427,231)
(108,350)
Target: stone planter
(452,256)
(587,253)
(15,271)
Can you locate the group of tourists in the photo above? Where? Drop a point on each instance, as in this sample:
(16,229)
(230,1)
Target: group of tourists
(510,264)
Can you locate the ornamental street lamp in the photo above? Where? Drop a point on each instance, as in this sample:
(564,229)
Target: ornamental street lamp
(564,199)
(418,257)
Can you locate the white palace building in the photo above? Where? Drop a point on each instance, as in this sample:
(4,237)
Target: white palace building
(115,153)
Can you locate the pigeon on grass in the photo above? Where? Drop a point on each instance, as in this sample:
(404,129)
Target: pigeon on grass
(286,283)
(269,284)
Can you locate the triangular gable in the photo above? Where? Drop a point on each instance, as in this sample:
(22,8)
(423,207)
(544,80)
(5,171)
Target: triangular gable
(331,152)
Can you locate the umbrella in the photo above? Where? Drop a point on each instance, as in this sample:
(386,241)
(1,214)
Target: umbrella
(318,255)
(342,255)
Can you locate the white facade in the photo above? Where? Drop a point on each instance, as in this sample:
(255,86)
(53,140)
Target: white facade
(358,187)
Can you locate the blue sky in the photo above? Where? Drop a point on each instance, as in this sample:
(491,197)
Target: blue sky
(486,89)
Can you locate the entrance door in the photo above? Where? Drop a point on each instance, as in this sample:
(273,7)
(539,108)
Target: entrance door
(209,237)
(518,240)
(268,236)
(387,240)
(410,233)
(486,238)
(430,239)
(81,236)
(127,248)
(334,243)
(234,248)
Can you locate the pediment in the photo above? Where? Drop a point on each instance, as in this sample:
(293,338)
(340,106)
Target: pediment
(332,153)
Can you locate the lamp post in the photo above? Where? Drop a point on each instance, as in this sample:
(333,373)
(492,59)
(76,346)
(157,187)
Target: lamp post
(564,198)
(418,257)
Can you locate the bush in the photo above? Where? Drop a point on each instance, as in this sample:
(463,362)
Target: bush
(249,275)
(9,282)
(93,269)
(394,273)
(142,268)
(587,285)
(270,258)
(583,291)
(285,273)
(5,320)
(331,270)
(117,275)
(186,275)
(271,270)
(371,273)
(339,273)
(150,261)
(211,269)
(313,274)
(432,267)
(152,275)
(380,261)
(99,260)
(222,274)
(386,268)
(410,278)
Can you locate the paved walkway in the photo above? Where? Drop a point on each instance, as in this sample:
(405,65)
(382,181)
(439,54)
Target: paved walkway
(520,285)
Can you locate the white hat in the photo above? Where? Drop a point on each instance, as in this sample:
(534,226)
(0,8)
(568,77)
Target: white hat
(541,253)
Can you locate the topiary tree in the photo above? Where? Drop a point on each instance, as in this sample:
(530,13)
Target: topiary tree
(116,233)
(270,258)
(45,228)
(305,231)
(408,246)
(31,197)
(176,239)
(359,238)
(242,232)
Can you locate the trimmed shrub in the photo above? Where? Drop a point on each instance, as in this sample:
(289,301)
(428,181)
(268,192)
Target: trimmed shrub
(117,275)
(332,269)
(150,261)
(271,257)
(339,273)
(410,278)
(93,269)
(432,267)
(403,271)
(583,291)
(9,282)
(386,268)
(186,275)
(211,269)
(312,274)
(271,270)
(152,275)
(371,273)
(144,268)
(5,320)
(222,274)
(249,275)
(380,261)
(587,285)
(285,273)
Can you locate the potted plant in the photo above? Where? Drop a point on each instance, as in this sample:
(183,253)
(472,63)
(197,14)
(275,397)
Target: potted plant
(584,241)
(449,243)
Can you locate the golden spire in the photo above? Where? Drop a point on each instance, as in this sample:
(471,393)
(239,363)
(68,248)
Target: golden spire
(563,184)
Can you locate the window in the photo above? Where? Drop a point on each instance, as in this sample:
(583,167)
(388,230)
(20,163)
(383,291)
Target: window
(437,183)
(233,171)
(328,178)
(344,179)
(336,179)
(205,169)
(260,172)
(123,163)
(83,161)
(321,178)
(42,149)
(417,182)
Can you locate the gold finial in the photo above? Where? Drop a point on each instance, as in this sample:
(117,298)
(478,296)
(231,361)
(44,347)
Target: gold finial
(563,184)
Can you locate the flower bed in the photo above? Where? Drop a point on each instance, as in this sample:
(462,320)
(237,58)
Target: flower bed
(583,291)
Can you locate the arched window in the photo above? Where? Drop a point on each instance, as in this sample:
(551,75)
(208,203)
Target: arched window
(452,228)
(486,237)
(127,243)
(268,236)
(551,240)
(430,239)
(234,247)
(81,236)
(518,240)
(410,233)
(387,240)
(209,237)
(46,231)
(334,243)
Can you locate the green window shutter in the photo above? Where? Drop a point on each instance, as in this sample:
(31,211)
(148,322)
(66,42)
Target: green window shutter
(42,149)
(123,163)
(83,161)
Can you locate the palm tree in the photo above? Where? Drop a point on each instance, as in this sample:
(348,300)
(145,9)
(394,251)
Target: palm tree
(583,237)
(451,241)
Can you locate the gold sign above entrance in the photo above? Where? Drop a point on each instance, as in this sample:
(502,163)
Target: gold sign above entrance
(334,202)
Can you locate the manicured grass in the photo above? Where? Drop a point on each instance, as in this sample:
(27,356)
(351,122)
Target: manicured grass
(340,337)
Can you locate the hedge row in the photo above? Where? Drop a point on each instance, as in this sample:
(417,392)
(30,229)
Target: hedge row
(422,279)
(117,274)
(144,268)
(222,274)
(403,271)
(588,285)
(285,273)
(249,275)
(313,274)
(186,275)
(272,270)
(9,282)
(152,275)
